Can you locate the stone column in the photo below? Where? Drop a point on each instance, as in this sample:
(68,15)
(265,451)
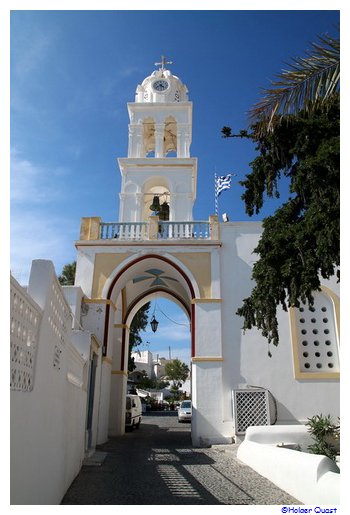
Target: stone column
(159,139)
(90,228)
(214,227)
(138,215)
(207,413)
(119,377)
(183,137)
(135,146)
(187,142)
(153,221)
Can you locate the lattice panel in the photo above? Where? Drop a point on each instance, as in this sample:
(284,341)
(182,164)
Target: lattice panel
(24,329)
(251,408)
(60,321)
(317,336)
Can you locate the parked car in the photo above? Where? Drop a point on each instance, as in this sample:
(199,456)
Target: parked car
(184,413)
(133,412)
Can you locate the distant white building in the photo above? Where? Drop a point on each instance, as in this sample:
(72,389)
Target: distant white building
(143,362)
(154,368)
(159,366)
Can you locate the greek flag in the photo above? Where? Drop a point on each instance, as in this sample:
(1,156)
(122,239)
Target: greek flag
(222,183)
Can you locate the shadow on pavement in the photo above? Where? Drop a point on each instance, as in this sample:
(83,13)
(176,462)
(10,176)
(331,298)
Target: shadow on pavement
(157,465)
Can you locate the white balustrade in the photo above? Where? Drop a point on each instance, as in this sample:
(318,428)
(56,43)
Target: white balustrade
(167,230)
(124,231)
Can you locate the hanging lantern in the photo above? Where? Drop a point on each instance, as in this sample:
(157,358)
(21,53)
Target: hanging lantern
(155,206)
(154,324)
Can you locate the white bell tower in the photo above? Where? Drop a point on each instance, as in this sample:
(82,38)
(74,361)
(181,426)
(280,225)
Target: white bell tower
(159,176)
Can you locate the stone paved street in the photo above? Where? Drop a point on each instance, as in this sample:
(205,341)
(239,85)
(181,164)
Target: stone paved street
(157,465)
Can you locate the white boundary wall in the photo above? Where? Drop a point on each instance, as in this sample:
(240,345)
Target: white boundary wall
(310,478)
(48,413)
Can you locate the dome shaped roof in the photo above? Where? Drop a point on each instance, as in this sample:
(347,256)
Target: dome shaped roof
(161,86)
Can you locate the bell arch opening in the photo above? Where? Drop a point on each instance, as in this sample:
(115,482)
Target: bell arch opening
(156,198)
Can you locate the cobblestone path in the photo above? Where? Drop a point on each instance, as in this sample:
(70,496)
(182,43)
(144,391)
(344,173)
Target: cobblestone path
(157,465)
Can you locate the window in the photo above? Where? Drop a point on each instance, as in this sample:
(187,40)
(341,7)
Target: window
(315,337)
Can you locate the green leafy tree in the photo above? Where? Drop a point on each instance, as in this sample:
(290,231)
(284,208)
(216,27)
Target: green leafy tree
(152,383)
(67,276)
(297,139)
(300,242)
(138,324)
(177,372)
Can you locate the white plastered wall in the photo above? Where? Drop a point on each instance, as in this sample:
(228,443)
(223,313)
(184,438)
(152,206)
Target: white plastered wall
(246,354)
(48,422)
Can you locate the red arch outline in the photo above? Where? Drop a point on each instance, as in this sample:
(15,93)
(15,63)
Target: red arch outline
(118,276)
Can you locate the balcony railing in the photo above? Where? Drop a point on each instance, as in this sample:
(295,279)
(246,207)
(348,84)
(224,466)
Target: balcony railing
(183,230)
(153,229)
(166,230)
(124,230)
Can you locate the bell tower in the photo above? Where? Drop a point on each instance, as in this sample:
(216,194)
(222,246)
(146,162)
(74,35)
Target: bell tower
(159,176)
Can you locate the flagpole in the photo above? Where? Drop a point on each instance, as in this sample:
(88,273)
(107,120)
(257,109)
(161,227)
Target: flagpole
(221,183)
(216,197)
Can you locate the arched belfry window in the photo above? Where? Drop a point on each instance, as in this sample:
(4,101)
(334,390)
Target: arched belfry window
(159,139)
(148,137)
(170,137)
(315,337)
(156,199)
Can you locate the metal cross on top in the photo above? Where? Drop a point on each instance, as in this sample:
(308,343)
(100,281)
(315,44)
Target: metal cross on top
(163,63)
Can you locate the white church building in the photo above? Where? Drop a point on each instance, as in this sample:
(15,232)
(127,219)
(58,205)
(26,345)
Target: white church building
(156,249)
(205,267)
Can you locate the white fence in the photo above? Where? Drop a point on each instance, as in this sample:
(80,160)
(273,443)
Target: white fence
(48,391)
(24,334)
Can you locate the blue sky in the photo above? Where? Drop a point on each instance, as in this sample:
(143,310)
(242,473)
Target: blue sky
(173,337)
(72,73)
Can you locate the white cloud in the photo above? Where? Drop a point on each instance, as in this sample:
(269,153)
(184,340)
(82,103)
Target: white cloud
(30,49)
(35,232)
(36,237)
(32,183)
(173,333)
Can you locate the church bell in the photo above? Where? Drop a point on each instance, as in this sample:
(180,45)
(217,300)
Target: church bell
(164,211)
(155,206)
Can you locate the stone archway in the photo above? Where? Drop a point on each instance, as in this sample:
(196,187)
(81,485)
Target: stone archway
(134,278)
(132,283)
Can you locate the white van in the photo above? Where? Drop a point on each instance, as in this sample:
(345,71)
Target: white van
(133,411)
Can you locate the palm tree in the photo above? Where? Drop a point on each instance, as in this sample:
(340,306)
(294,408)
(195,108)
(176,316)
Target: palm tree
(177,372)
(310,81)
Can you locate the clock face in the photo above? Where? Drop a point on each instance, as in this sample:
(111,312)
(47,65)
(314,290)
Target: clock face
(160,85)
